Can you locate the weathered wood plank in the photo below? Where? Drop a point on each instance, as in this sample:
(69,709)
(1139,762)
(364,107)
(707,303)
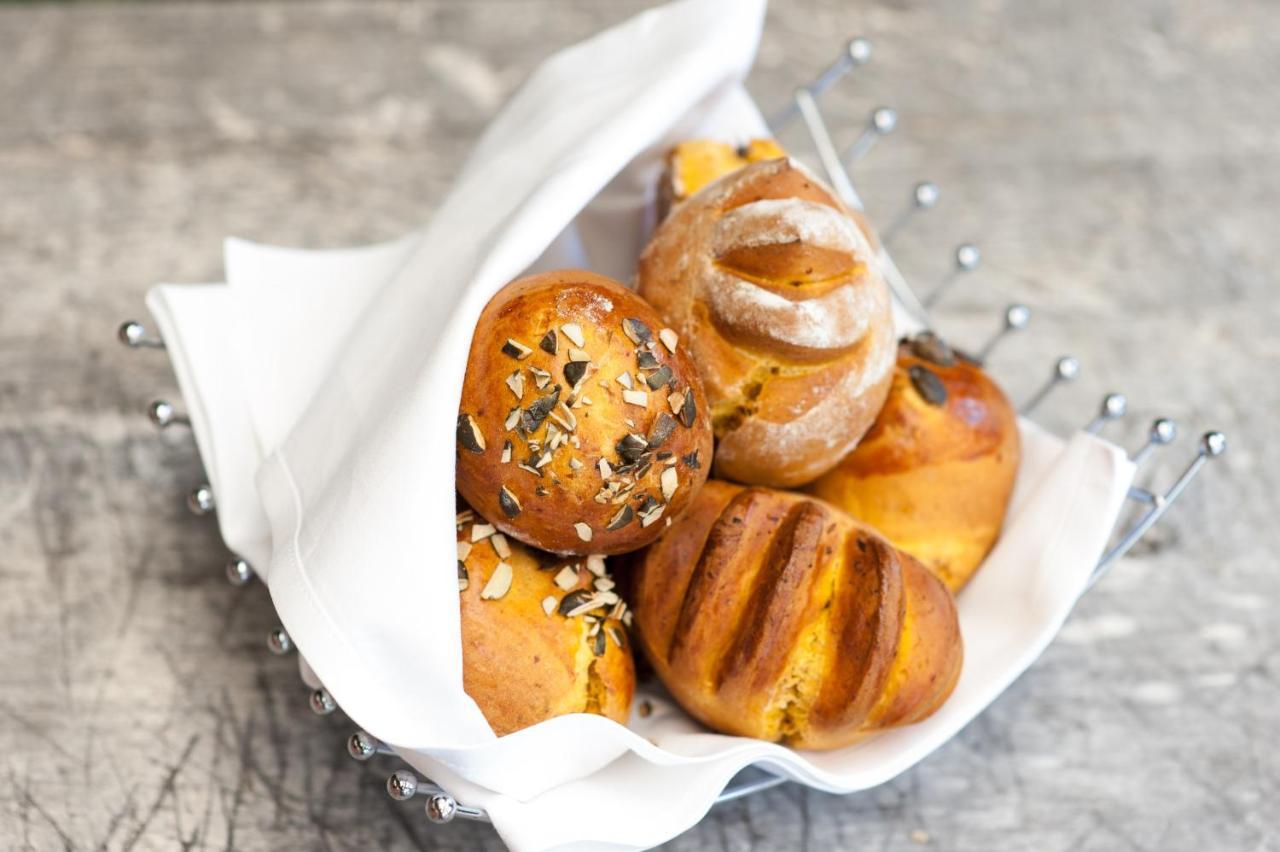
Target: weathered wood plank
(1117,163)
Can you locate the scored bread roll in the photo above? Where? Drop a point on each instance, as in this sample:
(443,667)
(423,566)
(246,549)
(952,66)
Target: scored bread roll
(774,615)
(936,469)
(540,638)
(775,288)
(583,427)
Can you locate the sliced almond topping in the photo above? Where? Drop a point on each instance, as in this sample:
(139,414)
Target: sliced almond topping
(543,461)
(605,471)
(513,417)
(583,530)
(635,397)
(574,463)
(464,550)
(646,520)
(578,355)
(506,452)
(624,379)
(604,584)
(573,331)
(669,339)
(567,578)
(549,604)
(515,382)
(499,583)
(595,564)
(481,531)
(670,481)
(500,545)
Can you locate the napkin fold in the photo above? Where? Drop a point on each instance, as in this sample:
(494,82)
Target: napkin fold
(323,388)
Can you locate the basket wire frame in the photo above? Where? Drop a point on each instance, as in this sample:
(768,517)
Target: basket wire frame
(440,806)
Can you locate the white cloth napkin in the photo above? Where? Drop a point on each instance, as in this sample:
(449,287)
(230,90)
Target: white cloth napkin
(323,388)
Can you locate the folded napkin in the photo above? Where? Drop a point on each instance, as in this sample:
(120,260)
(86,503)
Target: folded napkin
(323,388)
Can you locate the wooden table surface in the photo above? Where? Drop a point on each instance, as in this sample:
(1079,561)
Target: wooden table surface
(1117,162)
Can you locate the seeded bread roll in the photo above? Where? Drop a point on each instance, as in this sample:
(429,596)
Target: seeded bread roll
(540,637)
(774,615)
(774,287)
(935,471)
(583,425)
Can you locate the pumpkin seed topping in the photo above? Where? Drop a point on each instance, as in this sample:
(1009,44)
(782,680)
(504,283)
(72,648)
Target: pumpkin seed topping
(931,347)
(637,331)
(646,360)
(927,384)
(469,435)
(598,647)
(661,430)
(510,505)
(516,349)
(464,579)
(621,518)
(688,411)
(548,342)
(659,377)
(575,371)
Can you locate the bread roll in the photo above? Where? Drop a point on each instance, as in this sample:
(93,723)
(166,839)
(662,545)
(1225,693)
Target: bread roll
(774,615)
(773,285)
(693,164)
(935,471)
(540,637)
(583,426)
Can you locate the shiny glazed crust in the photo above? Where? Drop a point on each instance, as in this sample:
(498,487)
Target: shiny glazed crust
(774,615)
(523,666)
(572,333)
(773,284)
(934,479)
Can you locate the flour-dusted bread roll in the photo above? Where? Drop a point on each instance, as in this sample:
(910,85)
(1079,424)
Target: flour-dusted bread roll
(935,471)
(540,637)
(583,427)
(774,615)
(773,287)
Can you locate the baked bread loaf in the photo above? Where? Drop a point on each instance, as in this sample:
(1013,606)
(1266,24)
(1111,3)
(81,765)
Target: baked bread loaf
(693,164)
(774,615)
(774,288)
(583,427)
(936,469)
(540,638)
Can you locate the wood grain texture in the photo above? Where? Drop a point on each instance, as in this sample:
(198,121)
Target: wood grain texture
(1116,161)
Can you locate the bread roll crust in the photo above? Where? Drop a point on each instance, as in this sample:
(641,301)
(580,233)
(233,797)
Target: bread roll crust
(543,377)
(774,615)
(522,665)
(934,478)
(773,284)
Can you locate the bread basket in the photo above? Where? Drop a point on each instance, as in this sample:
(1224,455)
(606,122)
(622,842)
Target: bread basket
(458,789)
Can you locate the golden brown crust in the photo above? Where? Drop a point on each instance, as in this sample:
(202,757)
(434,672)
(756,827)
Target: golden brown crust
(934,478)
(773,284)
(775,615)
(652,431)
(523,666)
